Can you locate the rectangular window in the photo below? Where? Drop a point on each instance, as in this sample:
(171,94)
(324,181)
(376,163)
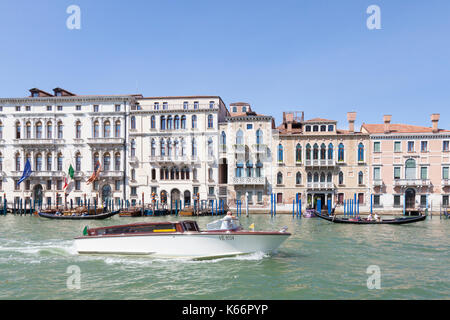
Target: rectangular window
(77,185)
(78,108)
(397,171)
(49,202)
(59,184)
(165,106)
(185,105)
(195,105)
(60,108)
(16,187)
(17,108)
(211,191)
(49,108)
(410,146)
(49,184)
(445,199)
(446,145)
(27,185)
(250,197)
(377,146)
(376,173)
(424,173)
(376,200)
(117,107)
(95,108)
(445,172)
(195,191)
(28,108)
(134,191)
(340,198)
(260,197)
(156,106)
(423,200)
(117,185)
(397,200)
(249,126)
(424,146)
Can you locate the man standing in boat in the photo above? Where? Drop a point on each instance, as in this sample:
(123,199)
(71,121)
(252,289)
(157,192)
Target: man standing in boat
(227,221)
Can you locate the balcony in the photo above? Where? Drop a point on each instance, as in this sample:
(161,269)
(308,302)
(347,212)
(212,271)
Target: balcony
(40,174)
(320,185)
(173,159)
(239,148)
(320,163)
(445,182)
(260,148)
(38,142)
(377,182)
(105,141)
(249,180)
(108,174)
(412,182)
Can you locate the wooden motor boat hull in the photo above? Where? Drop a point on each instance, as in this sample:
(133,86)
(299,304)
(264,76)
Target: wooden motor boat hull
(191,245)
(99,216)
(402,220)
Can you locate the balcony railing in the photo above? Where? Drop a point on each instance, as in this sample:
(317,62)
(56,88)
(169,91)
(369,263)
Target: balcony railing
(108,174)
(176,158)
(412,182)
(40,174)
(446,182)
(320,163)
(249,180)
(320,185)
(36,142)
(377,182)
(119,141)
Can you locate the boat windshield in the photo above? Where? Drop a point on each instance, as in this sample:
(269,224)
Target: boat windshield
(227,223)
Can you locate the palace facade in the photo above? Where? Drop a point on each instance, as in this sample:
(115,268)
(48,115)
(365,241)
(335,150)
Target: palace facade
(189,147)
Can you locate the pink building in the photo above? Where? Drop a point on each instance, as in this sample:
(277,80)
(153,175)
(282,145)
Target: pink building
(409,165)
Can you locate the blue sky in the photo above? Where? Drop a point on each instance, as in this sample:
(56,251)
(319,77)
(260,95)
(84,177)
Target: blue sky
(315,56)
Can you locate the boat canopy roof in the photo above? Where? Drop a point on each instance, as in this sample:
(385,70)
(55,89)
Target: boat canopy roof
(226,223)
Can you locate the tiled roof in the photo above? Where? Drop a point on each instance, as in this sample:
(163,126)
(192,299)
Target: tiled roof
(320,120)
(398,128)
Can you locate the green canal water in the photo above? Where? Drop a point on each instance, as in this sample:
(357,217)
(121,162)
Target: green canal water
(320,260)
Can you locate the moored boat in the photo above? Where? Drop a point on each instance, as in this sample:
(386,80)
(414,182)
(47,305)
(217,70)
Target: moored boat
(359,220)
(77,215)
(181,239)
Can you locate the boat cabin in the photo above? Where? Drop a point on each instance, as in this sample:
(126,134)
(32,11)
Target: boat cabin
(139,228)
(226,223)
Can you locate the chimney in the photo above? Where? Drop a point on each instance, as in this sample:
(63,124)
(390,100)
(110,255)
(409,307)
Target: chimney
(435,120)
(387,123)
(351,117)
(289,119)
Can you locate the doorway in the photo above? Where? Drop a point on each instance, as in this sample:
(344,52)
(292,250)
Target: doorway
(410,198)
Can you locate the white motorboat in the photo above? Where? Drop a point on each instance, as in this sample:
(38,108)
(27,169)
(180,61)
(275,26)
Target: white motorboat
(182,239)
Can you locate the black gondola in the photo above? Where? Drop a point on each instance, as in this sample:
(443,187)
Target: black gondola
(99,216)
(403,220)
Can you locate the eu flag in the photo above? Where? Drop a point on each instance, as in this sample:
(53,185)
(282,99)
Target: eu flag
(26,172)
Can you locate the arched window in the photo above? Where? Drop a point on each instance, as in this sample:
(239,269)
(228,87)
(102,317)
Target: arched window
(153,148)
(298,178)
(95,161)
(38,164)
(169,123)
(210,121)
(361,152)
(38,134)
(194,148)
(175,149)
(298,153)
(280,153)
(106,162)
(258,169)
(223,138)
(259,137)
(323,128)
(117,161)
(360,178)
(316,177)
(49,162)
(96,131)
(309,177)
(78,130)
(194,121)
(176,122)
(153,122)
(17,161)
(117,129)
(315,151)
(28,130)
(239,137)
(323,151)
(133,148)
(183,122)
(169,147)
(329,177)
(78,162)
(341,152)
(162,148)
(153,174)
(410,169)
(183,147)
(308,152)
(60,130)
(106,129)
(249,166)
(322,177)
(133,122)
(49,130)
(341,177)
(279,178)
(60,162)
(163,123)
(133,174)
(210,147)
(18,127)
(330,151)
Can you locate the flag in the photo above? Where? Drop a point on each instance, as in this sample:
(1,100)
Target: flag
(71,172)
(26,172)
(65,183)
(96,173)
